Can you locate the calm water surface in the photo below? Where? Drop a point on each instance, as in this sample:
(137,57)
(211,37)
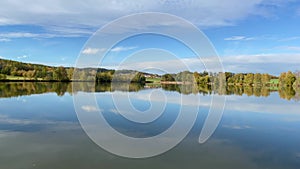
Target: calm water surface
(39,129)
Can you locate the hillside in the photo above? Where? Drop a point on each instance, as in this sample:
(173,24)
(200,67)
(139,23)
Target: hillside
(19,71)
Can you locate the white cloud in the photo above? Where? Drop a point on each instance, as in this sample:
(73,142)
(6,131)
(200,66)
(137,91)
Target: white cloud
(1,57)
(19,35)
(290,38)
(22,57)
(239,38)
(122,48)
(292,48)
(263,63)
(91,51)
(263,58)
(10,35)
(4,39)
(80,17)
(169,65)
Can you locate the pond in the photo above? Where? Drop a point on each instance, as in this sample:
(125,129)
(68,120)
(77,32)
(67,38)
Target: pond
(39,128)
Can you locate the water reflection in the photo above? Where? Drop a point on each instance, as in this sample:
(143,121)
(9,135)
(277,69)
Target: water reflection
(13,89)
(39,128)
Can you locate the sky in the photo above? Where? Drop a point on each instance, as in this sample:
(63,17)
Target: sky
(249,36)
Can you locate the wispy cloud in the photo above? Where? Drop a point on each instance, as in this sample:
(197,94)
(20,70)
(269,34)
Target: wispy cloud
(78,17)
(266,63)
(4,40)
(22,57)
(122,48)
(13,35)
(91,51)
(239,38)
(263,63)
(289,38)
(263,58)
(290,48)
(19,35)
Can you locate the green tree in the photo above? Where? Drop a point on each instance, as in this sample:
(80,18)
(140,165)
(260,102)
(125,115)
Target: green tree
(104,76)
(228,75)
(265,79)
(49,75)
(185,76)
(238,78)
(139,77)
(287,79)
(203,80)
(2,77)
(257,79)
(167,77)
(248,80)
(70,73)
(60,74)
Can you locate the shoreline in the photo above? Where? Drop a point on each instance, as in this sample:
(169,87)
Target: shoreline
(175,82)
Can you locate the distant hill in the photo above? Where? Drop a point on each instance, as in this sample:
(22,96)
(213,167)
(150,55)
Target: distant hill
(19,71)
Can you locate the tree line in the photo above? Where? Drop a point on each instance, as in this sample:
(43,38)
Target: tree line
(286,79)
(128,76)
(13,70)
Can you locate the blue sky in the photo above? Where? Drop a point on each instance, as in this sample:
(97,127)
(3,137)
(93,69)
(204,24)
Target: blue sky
(254,36)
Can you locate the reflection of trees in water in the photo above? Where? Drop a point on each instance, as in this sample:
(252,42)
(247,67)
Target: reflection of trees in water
(249,91)
(235,90)
(131,87)
(297,95)
(13,89)
(187,89)
(287,93)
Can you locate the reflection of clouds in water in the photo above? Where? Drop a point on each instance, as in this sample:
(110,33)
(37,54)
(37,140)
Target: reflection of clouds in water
(89,108)
(32,125)
(54,149)
(4,119)
(237,127)
(42,149)
(272,104)
(22,100)
(50,147)
(120,112)
(290,119)
(172,97)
